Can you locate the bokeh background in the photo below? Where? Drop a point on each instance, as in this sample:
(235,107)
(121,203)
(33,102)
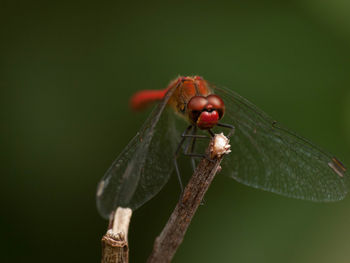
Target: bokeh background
(67,71)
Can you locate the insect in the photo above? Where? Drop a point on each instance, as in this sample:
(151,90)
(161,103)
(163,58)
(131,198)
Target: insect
(264,155)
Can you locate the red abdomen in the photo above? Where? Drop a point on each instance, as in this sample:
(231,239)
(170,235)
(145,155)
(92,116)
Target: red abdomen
(144,98)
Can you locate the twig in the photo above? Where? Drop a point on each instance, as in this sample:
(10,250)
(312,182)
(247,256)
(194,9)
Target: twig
(173,233)
(115,248)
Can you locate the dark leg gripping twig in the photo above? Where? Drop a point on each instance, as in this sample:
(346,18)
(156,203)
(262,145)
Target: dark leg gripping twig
(188,151)
(232,131)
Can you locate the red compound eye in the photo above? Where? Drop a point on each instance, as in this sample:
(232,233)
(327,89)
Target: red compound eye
(195,106)
(217,103)
(197,103)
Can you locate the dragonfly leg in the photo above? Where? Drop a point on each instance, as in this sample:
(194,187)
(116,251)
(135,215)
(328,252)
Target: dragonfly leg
(188,151)
(177,154)
(211,133)
(190,147)
(193,142)
(195,136)
(232,131)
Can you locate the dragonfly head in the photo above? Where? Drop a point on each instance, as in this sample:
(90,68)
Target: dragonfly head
(205,112)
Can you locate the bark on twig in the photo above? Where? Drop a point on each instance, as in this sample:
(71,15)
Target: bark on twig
(115,248)
(173,233)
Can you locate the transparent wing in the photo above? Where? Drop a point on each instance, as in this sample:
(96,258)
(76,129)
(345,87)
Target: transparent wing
(144,166)
(267,156)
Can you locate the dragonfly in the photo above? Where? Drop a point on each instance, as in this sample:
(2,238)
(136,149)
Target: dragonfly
(264,154)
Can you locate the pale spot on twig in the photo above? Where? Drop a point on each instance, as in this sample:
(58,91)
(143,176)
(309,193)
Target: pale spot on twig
(219,146)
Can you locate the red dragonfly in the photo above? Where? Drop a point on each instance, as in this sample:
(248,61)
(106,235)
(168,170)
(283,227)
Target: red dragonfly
(263,154)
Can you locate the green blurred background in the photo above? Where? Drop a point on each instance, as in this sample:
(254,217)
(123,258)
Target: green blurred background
(67,71)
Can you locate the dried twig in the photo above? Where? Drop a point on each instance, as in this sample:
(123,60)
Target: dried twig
(173,233)
(115,248)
